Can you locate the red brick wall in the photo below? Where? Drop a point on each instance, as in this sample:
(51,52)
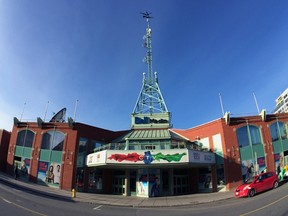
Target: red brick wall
(4,145)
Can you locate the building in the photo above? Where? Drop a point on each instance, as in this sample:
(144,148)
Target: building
(151,158)
(54,153)
(282,102)
(4,143)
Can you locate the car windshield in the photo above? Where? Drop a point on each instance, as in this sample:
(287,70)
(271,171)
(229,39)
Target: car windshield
(250,180)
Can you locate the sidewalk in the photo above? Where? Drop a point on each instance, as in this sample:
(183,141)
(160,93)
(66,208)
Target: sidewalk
(117,200)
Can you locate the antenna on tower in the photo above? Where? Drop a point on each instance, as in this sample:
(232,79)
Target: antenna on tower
(256,103)
(75,111)
(46,110)
(221,104)
(22,111)
(146,15)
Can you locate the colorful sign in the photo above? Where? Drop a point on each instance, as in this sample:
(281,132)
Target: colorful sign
(149,157)
(146,157)
(49,173)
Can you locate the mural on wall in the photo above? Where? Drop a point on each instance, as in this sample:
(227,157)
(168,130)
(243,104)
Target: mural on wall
(205,181)
(148,184)
(23,168)
(281,170)
(147,158)
(49,173)
(142,186)
(261,165)
(247,169)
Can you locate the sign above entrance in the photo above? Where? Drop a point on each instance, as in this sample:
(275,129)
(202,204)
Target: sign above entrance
(149,157)
(151,120)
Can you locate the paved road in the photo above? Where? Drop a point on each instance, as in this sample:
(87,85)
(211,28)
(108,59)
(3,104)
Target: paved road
(18,200)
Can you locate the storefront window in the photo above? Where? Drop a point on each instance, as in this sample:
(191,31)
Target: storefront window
(25,138)
(278,130)
(53,140)
(95,181)
(248,135)
(95,145)
(82,152)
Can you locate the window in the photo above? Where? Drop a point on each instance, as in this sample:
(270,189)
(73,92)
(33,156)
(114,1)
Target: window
(53,140)
(95,145)
(248,135)
(82,151)
(149,147)
(25,138)
(278,130)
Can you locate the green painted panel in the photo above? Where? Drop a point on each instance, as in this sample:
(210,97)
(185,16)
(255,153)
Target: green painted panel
(27,152)
(246,153)
(285,144)
(45,155)
(259,150)
(18,151)
(277,146)
(56,156)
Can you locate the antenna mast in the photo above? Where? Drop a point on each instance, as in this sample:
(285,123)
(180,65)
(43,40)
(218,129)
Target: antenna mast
(150,99)
(256,103)
(147,44)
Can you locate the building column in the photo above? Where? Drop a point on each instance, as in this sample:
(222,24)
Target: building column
(127,182)
(214,178)
(171,181)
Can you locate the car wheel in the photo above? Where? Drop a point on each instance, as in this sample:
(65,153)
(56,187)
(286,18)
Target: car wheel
(251,193)
(276,184)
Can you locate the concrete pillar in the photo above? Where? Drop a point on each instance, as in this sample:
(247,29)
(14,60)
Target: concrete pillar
(214,178)
(127,182)
(171,181)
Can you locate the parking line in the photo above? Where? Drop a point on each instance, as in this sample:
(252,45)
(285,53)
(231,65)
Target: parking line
(19,206)
(98,207)
(264,206)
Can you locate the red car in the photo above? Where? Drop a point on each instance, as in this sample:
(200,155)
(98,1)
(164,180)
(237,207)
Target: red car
(257,184)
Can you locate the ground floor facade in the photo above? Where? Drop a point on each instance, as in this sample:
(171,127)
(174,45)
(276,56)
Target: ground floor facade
(149,174)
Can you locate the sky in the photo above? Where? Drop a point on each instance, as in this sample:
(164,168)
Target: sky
(87,56)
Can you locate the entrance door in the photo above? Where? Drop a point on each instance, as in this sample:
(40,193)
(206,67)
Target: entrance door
(181,184)
(133,183)
(118,184)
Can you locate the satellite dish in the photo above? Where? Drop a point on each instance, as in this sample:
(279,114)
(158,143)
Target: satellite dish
(60,116)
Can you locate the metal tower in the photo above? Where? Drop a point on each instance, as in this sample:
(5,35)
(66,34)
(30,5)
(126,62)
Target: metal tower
(150,99)
(150,110)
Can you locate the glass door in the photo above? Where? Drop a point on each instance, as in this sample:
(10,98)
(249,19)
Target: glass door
(133,183)
(118,184)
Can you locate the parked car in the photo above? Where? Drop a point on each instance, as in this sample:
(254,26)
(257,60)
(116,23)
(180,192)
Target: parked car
(257,184)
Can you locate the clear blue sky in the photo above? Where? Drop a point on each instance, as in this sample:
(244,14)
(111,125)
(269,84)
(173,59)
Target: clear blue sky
(91,51)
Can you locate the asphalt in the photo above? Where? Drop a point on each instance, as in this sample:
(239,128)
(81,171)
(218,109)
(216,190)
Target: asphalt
(116,200)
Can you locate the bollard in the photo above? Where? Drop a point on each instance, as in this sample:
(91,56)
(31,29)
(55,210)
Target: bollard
(73,193)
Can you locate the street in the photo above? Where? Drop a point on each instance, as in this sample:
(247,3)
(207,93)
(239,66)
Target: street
(15,201)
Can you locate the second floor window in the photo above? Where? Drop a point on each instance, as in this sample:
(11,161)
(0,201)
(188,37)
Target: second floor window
(248,135)
(53,140)
(278,131)
(25,138)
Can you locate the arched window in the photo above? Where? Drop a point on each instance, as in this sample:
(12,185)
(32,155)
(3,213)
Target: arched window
(278,130)
(53,140)
(25,138)
(248,135)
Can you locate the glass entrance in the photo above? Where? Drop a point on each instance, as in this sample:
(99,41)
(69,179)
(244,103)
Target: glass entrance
(133,183)
(118,184)
(181,184)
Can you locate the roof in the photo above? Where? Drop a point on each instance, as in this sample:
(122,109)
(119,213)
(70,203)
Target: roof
(150,134)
